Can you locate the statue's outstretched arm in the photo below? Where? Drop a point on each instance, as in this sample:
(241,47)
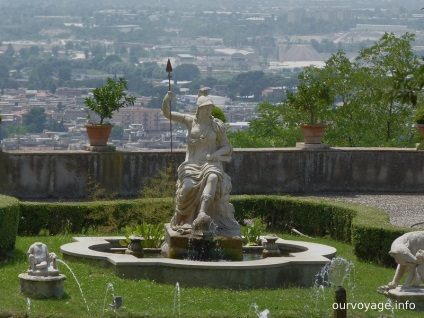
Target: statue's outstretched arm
(166,109)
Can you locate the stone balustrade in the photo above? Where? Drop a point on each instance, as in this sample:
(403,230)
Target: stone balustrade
(68,174)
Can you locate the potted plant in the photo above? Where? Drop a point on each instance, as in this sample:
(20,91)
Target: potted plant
(311,102)
(419,119)
(106,99)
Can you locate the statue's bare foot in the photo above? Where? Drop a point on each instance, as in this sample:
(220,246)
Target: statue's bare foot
(202,222)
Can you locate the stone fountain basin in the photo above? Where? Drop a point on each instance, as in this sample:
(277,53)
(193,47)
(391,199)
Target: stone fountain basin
(297,270)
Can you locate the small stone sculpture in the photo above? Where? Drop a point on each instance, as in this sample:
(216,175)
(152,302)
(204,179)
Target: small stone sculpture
(41,262)
(42,279)
(405,250)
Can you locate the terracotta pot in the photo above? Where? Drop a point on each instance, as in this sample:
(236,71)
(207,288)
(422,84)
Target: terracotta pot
(420,128)
(98,134)
(312,134)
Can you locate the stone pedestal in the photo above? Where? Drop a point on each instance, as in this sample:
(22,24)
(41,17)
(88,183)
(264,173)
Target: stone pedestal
(99,148)
(413,297)
(201,247)
(42,286)
(302,145)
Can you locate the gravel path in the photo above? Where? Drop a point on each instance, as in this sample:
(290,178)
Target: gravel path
(406,209)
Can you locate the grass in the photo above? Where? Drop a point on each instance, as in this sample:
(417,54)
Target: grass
(144,298)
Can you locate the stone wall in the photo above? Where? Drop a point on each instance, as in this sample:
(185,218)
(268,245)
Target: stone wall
(68,174)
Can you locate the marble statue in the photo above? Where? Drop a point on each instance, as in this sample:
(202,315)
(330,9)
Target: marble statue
(42,279)
(41,262)
(203,188)
(407,250)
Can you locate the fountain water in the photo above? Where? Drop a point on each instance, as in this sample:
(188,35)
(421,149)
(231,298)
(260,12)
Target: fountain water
(109,286)
(79,285)
(260,314)
(177,306)
(337,272)
(28,307)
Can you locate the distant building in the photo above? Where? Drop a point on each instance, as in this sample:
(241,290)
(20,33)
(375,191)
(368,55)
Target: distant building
(273,92)
(234,59)
(381,27)
(151,118)
(185,58)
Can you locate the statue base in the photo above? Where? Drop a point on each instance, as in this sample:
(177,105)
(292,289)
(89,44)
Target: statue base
(42,286)
(99,148)
(406,298)
(201,246)
(302,145)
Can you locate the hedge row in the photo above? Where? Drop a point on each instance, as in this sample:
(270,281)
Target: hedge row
(82,217)
(367,229)
(9,218)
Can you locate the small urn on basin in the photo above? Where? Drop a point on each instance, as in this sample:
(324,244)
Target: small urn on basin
(135,248)
(271,248)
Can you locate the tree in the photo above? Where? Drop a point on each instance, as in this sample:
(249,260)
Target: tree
(10,51)
(268,130)
(218,113)
(117,132)
(313,97)
(390,62)
(109,98)
(64,74)
(40,76)
(35,119)
(186,72)
(352,119)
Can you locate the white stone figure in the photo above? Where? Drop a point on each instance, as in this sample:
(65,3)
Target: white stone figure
(405,250)
(419,277)
(202,95)
(41,262)
(203,188)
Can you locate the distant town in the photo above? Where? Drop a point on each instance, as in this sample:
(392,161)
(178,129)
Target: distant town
(59,54)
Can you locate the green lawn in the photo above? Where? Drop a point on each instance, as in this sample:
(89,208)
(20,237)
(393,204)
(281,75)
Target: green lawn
(148,299)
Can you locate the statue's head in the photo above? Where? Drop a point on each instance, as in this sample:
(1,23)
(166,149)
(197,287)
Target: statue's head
(203,91)
(206,104)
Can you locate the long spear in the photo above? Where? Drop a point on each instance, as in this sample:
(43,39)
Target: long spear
(169,70)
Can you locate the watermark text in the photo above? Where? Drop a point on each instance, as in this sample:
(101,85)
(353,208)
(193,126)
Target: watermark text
(407,305)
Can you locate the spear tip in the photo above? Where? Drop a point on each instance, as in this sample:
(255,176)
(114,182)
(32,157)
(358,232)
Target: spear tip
(169,66)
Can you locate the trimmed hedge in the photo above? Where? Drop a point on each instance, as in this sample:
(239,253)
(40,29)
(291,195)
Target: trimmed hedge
(367,229)
(81,217)
(9,218)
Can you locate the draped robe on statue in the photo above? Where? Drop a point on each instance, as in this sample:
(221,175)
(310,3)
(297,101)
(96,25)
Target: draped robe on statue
(194,171)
